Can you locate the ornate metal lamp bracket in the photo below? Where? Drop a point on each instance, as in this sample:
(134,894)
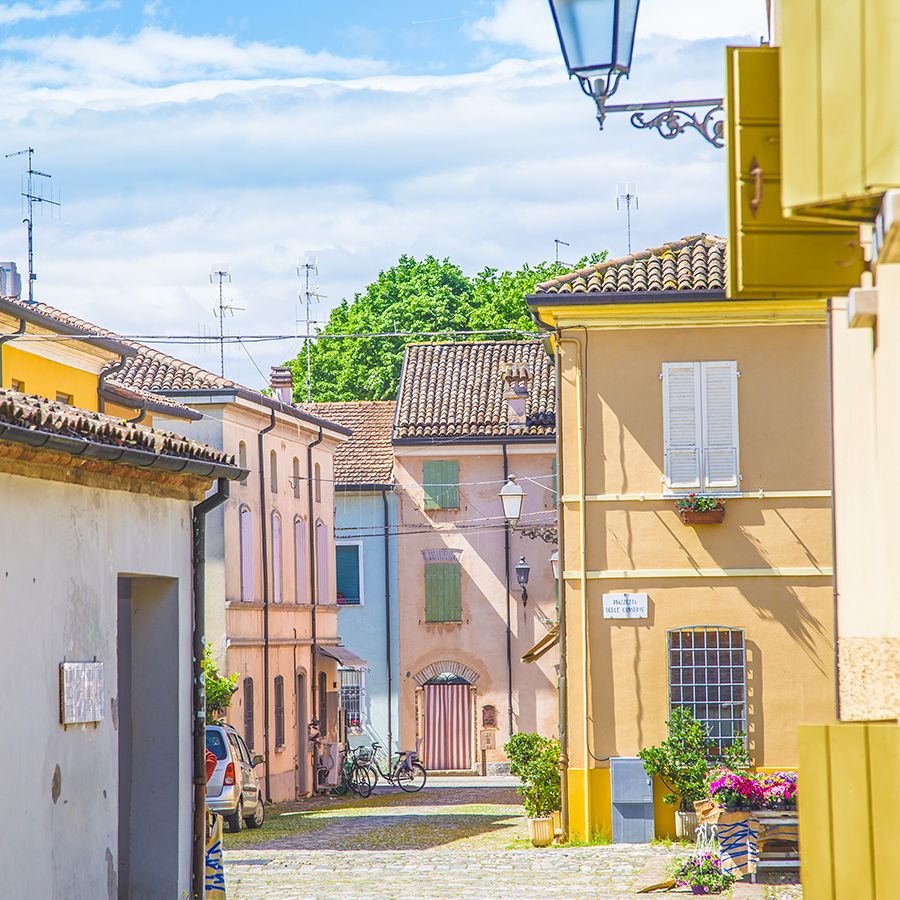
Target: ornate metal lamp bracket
(675,117)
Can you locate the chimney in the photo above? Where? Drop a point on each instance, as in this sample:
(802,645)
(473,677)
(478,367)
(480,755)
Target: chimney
(281,381)
(516,384)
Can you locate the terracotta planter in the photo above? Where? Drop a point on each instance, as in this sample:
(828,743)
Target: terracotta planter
(686,826)
(540,831)
(702,516)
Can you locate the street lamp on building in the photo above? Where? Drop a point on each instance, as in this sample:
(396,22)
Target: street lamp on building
(554,564)
(523,570)
(597,39)
(512,497)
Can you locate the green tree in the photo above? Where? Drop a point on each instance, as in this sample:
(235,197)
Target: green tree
(535,760)
(423,296)
(219,688)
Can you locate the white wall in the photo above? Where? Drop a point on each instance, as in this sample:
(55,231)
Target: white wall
(62,549)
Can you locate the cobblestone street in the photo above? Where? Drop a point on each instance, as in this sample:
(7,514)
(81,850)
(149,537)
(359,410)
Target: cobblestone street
(442,842)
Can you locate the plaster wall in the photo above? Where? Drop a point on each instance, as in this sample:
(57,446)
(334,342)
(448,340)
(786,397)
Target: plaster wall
(62,552)
(479,641)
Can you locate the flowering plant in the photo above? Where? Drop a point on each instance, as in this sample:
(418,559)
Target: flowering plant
(703,870)
(777,790)
(700,504)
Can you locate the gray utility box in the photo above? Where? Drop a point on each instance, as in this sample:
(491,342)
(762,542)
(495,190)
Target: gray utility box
(632,801)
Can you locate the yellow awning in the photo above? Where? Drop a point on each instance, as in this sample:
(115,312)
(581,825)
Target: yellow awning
(544,645)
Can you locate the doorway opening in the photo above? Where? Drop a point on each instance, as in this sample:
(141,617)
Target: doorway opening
(448,723)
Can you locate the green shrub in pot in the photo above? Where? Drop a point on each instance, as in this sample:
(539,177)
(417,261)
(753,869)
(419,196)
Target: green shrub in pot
(535,761)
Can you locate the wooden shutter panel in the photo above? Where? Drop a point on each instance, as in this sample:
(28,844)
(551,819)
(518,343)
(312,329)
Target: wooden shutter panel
(720,425)
(443,601)
(248,711)
(246,554)
(348,573)
(279,710)
(441,482)
(681,424)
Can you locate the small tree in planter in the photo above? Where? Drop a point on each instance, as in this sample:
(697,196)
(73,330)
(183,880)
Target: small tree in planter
(535,760)
(219,688)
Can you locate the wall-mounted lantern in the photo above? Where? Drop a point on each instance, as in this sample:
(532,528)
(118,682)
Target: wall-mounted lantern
(523,570)
(554,564)
(513,498)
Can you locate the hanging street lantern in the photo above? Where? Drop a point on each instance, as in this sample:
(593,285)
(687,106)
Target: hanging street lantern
(523,570)
(597,41)
(513,498)
(554,564)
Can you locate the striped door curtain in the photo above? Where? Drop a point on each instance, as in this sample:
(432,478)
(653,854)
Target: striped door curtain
(448,727)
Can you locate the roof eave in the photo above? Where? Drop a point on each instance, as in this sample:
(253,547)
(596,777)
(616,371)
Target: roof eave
(609,298)
(475,439)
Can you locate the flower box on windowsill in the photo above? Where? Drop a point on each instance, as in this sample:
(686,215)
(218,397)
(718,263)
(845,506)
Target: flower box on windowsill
(702,516)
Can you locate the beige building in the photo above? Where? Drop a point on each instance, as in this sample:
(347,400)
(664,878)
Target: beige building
(667,389)
(468,415)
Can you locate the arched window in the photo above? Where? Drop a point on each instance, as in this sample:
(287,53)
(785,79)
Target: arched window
(248,711)
(296,477)
(318,471)
(246,553)
(242,459)
(322,567)
(273,471)
(301,575)
(277,564)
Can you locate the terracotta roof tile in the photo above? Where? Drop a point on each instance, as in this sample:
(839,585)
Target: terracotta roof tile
(367,457)
(457,390)
(695,263)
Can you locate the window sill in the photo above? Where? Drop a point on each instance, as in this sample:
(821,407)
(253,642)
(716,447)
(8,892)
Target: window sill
(441,622)
(280,748)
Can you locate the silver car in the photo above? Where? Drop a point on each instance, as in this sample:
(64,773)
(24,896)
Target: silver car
(233,791)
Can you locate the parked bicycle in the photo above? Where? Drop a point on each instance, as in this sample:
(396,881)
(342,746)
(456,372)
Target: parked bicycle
(356,776)
(408,772)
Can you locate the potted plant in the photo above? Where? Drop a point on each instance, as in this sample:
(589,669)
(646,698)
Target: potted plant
(699,510)
(535,761)
(703,874)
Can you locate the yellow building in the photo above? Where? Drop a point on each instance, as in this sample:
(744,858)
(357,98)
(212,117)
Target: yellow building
(822,101)
(667,389)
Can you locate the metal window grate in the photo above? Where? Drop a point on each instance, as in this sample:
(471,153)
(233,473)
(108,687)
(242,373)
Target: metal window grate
(352,698)
(708,676)
(248,711)
(279,710)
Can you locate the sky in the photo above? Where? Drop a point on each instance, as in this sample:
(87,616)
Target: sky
(184,138)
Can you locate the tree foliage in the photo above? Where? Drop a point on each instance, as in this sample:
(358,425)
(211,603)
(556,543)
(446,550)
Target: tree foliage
(219,688)
(428,295)
(535,760)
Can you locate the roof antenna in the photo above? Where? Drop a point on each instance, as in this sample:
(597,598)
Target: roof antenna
(627,195)
(558,242)
(303,271)
(221,276)
(33,193)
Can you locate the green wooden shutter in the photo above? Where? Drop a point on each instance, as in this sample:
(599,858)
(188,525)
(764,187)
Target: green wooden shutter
(347,557)
(441,482)
(443,602)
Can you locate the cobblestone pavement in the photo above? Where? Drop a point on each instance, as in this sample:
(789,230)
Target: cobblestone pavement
(441,843)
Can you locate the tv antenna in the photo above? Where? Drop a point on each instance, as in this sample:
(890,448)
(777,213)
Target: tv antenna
(224,309)
(559,243)
(627,196)
(29,189)
(304,270)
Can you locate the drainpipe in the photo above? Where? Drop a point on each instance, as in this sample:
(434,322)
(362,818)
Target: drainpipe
(198,567)
(314,600)
(834,563)
(506,530)
(387,622)
(265,591)
(101,382)
(11,336)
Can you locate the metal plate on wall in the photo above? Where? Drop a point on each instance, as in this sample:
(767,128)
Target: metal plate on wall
(81,694)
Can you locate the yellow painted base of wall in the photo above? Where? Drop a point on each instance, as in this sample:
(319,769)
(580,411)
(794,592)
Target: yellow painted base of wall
(600,821)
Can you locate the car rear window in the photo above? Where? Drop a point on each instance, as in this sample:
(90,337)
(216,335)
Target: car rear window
(216,742)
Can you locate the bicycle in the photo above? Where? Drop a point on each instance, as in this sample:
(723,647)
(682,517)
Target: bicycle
(408,772)
(356,776)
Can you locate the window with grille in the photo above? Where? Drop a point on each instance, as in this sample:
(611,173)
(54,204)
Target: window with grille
(248,711)
(352,699)
(441,482)
(279,711)
(443,600)
(349,574)
(708,676)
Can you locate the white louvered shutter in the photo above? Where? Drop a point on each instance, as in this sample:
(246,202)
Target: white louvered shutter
(681,424)
(720,425)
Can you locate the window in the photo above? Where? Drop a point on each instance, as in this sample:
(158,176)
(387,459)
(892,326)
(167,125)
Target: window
(246,553)
(700,424)
(248,711)
(242,459)
(301,576)
(554,488)
(63,397)
(279,711)
(277,563)
(318,471)
(708,676)
(442,592)
(17,385)
(441,481)
(322,573)
(349,573)
(295,480)
(273,472)
(352,699)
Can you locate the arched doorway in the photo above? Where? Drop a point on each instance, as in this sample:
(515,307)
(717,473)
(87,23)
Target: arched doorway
(448,716)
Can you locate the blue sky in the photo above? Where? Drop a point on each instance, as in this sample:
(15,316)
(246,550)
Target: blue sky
(184,137)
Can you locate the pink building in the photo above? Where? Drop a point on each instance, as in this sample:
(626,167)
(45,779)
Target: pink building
(468,416)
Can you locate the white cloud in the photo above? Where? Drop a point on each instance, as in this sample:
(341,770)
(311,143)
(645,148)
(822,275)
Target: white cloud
(521,23)
(19,12)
